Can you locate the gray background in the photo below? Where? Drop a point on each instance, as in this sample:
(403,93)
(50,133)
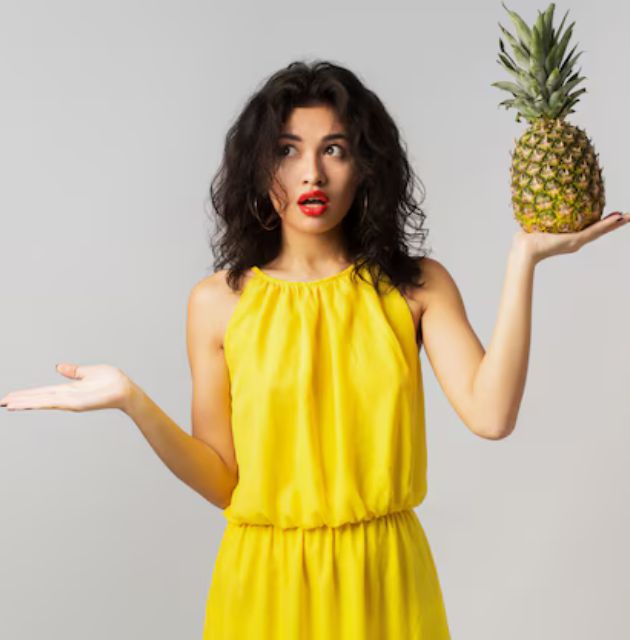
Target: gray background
(112,124)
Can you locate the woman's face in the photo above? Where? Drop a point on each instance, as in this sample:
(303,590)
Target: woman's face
(313,153)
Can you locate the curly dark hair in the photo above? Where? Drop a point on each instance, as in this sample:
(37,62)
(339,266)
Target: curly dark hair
(377,235)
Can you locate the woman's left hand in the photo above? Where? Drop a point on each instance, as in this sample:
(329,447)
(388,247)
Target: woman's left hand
(540,245)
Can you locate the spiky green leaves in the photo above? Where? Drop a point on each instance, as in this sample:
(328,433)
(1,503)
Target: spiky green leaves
(542,80)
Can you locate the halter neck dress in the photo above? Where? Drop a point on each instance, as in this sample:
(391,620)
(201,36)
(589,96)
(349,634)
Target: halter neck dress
(327,410)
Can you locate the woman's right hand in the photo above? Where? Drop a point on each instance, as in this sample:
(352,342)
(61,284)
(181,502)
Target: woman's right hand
(99,386)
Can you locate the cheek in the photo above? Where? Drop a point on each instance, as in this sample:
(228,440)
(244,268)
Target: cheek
(345,173)
(277,193)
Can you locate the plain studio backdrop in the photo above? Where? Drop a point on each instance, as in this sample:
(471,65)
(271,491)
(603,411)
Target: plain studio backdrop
(112,125)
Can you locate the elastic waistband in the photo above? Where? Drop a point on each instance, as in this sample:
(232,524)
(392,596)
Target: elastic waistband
(389,514)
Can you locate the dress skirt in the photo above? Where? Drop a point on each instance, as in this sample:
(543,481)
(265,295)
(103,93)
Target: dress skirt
(368,580)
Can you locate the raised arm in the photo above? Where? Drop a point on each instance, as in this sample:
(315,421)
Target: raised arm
(484,388)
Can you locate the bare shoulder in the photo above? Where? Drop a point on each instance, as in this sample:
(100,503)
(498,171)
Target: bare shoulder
(432,277)
(211,303)
(436,279)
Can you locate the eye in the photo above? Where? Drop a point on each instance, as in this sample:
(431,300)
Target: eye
(343,151)
(330,146)
(282,148)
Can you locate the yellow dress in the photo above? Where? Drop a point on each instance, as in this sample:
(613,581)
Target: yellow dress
(321,540)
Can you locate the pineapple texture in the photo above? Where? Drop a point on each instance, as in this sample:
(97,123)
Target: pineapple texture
(557,184)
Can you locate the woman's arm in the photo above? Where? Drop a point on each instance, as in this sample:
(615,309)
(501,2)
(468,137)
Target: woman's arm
(499,381)
(190,459)
(104,386)
(205,460)
(454,350)
(486,387)
(500,378)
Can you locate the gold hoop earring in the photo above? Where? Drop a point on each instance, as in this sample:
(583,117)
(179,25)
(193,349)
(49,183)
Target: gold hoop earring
(257,216)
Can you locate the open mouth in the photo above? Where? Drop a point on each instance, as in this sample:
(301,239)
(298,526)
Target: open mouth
(315,196)
(313,203)
(313,206)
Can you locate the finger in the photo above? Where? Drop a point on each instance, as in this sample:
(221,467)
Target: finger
(604,225)
(38,402)
(70,370)
(613,221)
(23,405)
(612,218)
(27,393)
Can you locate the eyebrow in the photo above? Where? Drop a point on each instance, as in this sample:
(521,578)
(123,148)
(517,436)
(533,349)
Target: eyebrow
(331,136)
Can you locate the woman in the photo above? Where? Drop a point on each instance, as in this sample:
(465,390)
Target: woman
(308,409)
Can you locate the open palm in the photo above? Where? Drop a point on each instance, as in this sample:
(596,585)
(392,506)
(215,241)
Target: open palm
(100,386)
(541,245)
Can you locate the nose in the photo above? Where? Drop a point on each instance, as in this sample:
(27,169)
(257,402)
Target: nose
(313,170)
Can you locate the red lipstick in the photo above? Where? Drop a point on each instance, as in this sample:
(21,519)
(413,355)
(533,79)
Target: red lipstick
(317,205)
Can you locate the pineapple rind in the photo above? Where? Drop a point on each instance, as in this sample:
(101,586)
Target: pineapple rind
(557,184)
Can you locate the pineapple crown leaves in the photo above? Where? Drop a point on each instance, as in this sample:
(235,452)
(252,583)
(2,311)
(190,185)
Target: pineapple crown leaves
(543,75)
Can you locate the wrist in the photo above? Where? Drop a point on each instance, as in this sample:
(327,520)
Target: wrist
(523,250)
(133,400)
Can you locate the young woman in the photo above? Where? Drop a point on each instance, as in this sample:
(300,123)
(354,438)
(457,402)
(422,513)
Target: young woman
(308,406)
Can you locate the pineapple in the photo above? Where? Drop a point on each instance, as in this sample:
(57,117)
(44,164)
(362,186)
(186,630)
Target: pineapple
(556,182)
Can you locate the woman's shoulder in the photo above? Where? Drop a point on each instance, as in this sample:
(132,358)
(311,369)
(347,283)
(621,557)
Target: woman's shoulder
(212,299)
(417,295)
(435,276)
(439,287)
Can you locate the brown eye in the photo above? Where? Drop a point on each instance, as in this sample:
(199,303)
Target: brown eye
(343,151)
(282,148)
